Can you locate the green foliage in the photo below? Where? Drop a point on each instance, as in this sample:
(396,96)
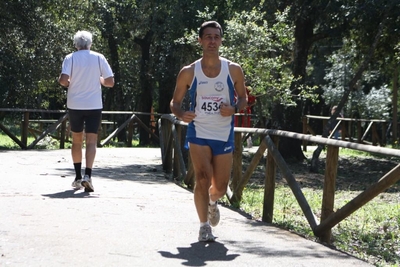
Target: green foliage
(263,51)
(368,101)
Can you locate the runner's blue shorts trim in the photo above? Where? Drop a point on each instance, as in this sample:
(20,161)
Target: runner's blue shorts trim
(217,147)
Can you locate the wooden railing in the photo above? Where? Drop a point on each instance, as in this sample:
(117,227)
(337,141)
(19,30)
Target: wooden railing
(351,129)
(171,140)
(49,126)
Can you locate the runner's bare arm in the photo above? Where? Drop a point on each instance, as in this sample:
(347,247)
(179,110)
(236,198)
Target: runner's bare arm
(238,82)
(63,80)
(183,81)
(107,82)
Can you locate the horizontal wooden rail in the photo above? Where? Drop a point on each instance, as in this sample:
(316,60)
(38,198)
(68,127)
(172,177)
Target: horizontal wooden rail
(55,124)
(323,141)
(351,129)
(344,119)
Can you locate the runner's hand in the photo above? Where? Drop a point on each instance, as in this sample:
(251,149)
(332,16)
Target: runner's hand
(188,116)
(227,110)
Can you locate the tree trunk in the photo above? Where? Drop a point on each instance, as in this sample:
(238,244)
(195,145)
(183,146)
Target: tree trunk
(394,104)
(292,116)
(167,86)
(145,102)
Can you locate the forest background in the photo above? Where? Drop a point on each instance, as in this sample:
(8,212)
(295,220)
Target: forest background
(299,57)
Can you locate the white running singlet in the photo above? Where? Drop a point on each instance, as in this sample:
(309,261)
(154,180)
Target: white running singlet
(206,96)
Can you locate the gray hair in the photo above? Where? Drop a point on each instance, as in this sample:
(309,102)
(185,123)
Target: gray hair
(83,40)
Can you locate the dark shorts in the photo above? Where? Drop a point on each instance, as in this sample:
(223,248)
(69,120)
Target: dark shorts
(217,147)
(88,119)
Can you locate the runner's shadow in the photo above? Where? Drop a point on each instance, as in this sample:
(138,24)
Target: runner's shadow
(200,253)
(69,194)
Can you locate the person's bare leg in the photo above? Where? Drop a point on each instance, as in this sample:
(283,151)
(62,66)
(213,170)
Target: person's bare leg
(91,143)
(91,146)
(76,153)
(222,167)
(76,149)
(201,159)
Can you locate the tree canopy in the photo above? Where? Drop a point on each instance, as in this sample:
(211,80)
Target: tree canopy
(298,56)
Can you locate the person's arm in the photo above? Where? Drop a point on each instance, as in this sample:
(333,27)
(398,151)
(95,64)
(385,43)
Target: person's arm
(105,71)
(183,81)
(238,82)
(63,80)
(107,82)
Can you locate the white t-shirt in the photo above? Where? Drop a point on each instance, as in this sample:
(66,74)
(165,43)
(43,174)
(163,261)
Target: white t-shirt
(84,68)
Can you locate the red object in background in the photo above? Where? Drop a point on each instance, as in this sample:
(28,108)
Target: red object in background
(245,119)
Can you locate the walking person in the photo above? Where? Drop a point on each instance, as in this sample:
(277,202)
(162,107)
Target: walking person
(83,72)
(211,81)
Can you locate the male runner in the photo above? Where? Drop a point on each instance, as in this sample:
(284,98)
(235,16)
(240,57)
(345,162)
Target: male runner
(211,82)
(83,72)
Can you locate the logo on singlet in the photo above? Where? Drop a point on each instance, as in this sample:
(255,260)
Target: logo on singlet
(203,82)
(219,86)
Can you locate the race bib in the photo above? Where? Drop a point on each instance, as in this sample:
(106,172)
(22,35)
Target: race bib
(211,104)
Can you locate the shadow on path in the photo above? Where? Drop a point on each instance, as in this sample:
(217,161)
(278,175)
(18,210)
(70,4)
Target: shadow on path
(70,194)
(198,254)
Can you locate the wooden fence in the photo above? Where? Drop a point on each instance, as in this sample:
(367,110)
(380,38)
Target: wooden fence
(171,140)
(60,125)
(351,129)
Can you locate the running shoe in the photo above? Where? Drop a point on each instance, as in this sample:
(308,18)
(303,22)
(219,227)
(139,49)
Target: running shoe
(213,214)
(77,184)
(87,183)
(205,234)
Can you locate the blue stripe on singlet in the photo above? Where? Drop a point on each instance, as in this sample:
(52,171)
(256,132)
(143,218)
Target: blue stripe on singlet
(232,97)
(192,106)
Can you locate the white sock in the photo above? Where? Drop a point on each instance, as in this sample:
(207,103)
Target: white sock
(212,202)
(203,223)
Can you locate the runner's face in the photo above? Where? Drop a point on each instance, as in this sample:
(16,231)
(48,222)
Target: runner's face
(211,39)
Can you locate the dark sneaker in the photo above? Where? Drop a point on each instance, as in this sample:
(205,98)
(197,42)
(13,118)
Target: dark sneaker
(87,184)
(77,184)
(205,234)
(213,214)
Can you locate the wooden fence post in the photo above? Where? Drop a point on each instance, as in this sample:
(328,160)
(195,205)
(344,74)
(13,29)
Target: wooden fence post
(237,161)
(162,138)
(305,132)
(130,133)
(168,139)
(269,185)
(62,134)
(25,126)
(177,133)
(328,197)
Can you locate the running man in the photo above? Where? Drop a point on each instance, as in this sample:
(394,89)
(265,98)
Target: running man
(83,72)
(211,82)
